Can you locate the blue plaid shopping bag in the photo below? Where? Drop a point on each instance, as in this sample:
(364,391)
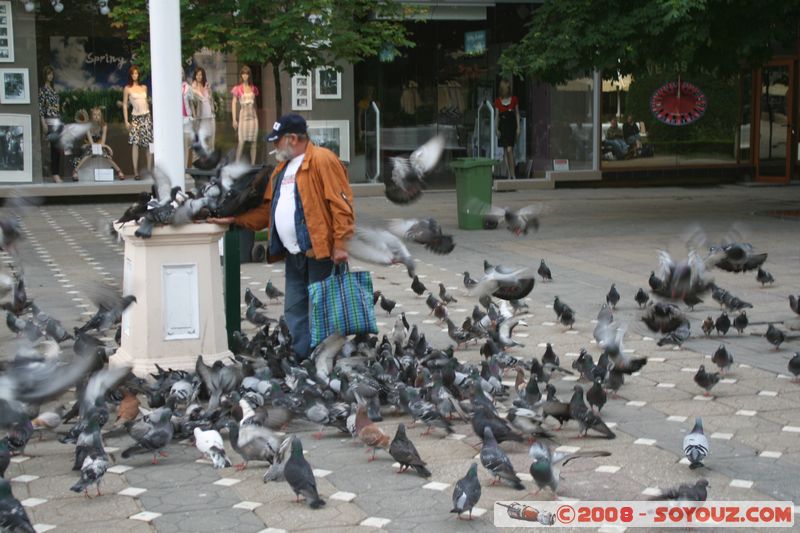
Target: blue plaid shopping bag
(341,303)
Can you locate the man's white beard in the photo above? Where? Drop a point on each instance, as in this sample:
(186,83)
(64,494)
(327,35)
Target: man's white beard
(284,154)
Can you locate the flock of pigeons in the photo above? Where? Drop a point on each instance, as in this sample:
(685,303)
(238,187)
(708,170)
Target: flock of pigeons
(348,384)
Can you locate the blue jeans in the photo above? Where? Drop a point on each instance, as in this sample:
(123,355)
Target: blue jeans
(300,272)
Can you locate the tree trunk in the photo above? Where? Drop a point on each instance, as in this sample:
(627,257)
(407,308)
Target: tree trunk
(276,75)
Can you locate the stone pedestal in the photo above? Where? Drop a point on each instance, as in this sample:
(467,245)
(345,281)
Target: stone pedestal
(179,314)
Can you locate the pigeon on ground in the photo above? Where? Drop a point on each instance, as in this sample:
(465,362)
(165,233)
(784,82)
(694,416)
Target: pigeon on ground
(300,476)
(655,282)
(708,325)
(544,272)
(426,231)
(722,358)
(687,493)
(736,257)
(467,492)
(764,277)
(677,337)
(612,297)
(370,433)
(546,466)
(662,317)
(497,462)
(155,438)
(722,324)
(210,444)
(794,303)
(775,336)
(706,380)
(596,395)
(695,445)
(417,286)
(483,417)
(445,296)
(519,221)
(276,469)
(252,442)
(586,418)
(387,304)
(404,452)
(93,468)
(793,366)
(218,379)
(5,456)
(552,406)
(273,293)
(688,277)
(549,356)
(740,322)
(250,298)
(470,283)
(641,297)
(13,517)
(406,182)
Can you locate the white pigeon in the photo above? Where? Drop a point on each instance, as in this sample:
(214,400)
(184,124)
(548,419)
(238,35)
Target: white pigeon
(210,444)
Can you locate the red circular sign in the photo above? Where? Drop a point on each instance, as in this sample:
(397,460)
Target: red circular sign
(678,107)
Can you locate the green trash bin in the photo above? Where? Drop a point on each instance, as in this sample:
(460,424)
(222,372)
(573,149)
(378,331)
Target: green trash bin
(473,181)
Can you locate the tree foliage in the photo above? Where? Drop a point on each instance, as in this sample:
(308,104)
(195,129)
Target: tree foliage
(571,38)
(294,36)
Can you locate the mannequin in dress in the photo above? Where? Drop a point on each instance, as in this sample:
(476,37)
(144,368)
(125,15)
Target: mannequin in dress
(140,125)
(188,118)
(507,123)
(245,119)
(49,111)
(203,108)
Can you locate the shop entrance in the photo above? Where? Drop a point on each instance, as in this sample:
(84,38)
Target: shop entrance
(774,127)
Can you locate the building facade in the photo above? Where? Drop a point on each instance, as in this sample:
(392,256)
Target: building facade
(699,129)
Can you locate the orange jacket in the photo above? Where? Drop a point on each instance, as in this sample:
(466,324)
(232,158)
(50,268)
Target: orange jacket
(325,193)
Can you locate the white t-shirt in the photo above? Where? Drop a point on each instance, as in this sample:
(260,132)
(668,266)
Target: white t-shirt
(284,211)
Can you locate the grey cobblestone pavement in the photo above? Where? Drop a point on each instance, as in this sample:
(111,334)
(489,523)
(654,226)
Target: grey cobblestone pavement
(590,239)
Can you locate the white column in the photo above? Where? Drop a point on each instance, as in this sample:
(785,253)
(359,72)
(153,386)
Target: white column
(165,60)
(597,119)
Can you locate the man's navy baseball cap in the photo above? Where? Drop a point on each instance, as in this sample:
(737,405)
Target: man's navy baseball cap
(292,123)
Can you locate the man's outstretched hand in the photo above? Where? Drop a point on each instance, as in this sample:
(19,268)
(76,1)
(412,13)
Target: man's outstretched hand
(220,220)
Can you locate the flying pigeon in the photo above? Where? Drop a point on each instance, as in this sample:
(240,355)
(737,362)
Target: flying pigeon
(406,182)
(519,221)
(380,247)
(426,231)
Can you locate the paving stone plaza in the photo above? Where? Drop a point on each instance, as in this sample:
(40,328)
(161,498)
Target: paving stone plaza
(590,238)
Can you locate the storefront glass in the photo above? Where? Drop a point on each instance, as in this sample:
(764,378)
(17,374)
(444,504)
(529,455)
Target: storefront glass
(706,130)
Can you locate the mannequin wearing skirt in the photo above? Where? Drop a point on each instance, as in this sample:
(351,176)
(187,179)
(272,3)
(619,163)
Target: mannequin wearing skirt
(507,120)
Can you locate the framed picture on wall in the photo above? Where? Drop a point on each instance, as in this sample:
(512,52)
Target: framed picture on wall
(329,84)
(333,135)
(14,86)
(6,33)
(16,161)
(301,92)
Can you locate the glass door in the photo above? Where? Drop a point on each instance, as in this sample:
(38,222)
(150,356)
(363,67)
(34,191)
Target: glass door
(774,122)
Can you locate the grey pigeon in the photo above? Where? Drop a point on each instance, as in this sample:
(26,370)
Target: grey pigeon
(92,470)
(5,456)
(13,517)
(467,492)
(273,293)
(764,277)
(596,396)
(425,231)
(677,337)
(469,283)
(586,418)
(497,462)
(218,379)
(722,324)
(641,297)
(417,286)
(406,182)
(546,466)
(249,298)
(154,438)
(300,477)
(688,493)
(404,452)
(544,272)
(705,379)
(775,336)
(794,303)
(793,366)
(549,356)
(387,304)
(722,358)
(740,322)
(612,297)
(445,296)
(695,445)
